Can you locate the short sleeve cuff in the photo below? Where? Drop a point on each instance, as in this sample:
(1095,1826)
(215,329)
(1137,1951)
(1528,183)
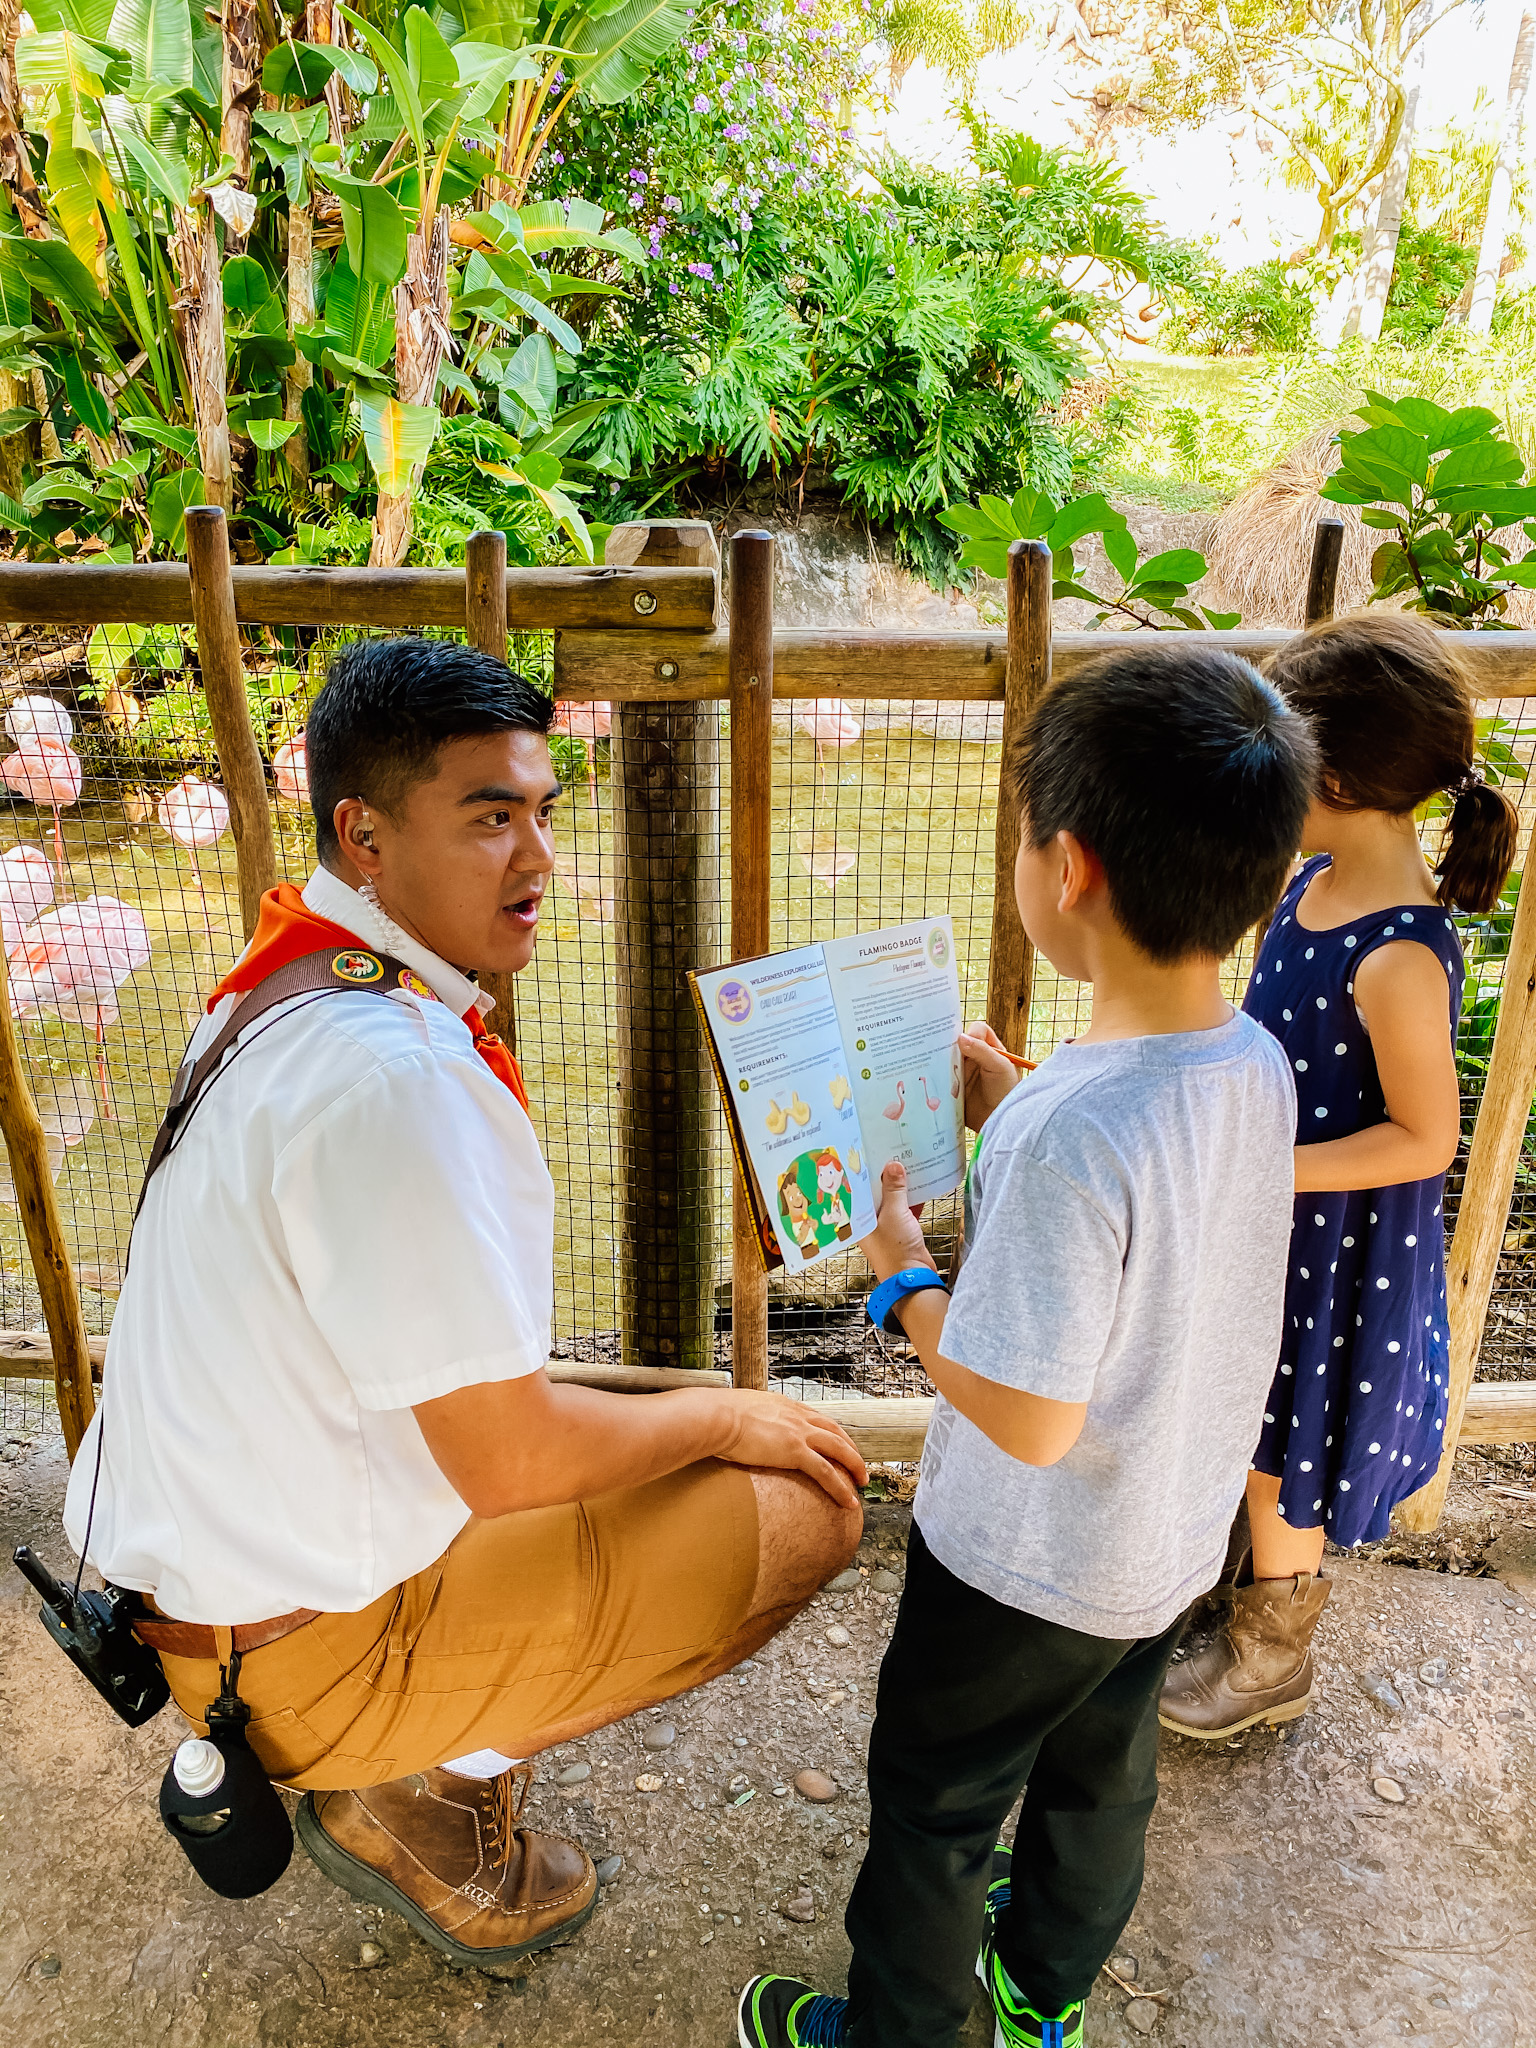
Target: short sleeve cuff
(485,1370)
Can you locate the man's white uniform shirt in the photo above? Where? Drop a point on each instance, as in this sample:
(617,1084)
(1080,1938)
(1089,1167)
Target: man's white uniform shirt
(356,1218)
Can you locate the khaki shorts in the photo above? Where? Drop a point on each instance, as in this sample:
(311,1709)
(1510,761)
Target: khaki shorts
(525,1625)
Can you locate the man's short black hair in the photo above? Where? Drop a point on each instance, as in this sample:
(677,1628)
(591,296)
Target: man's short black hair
(386,708)
(1187,775)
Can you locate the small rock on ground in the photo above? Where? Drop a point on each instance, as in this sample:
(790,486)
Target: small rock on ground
(660,1735)
(1143,2014)
(838,1636)
(815,1786)
(573,1774)
(885,1582)
(801,1908)
(845,1582)
(649,1782)
(609,1868)
(1388,1789)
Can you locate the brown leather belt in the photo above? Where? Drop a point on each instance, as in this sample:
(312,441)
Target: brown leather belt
(199,1638)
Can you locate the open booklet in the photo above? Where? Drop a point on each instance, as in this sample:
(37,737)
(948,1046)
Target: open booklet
(833,1059)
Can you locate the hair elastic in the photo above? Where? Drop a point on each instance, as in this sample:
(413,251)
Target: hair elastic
(1468,780)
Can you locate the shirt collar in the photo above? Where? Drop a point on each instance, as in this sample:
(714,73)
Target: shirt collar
(327,895)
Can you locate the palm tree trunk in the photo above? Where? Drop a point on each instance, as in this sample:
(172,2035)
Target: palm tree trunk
(242,90)
(421,339)
(1380,253)
(199,314)
(27,202)
(1490,255)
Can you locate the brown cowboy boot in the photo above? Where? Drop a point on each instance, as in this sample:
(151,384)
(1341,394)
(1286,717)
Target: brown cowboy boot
(447,1854)
(1258,1668)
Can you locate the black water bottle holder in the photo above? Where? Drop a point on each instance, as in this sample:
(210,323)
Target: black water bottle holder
(238,1837)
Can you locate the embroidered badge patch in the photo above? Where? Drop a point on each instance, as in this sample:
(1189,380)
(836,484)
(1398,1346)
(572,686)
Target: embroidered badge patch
(415,985)
(359,967)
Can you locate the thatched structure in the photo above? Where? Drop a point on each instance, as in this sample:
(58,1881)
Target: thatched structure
(1261,545)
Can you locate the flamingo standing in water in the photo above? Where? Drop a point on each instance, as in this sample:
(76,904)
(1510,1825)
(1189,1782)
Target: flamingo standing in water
(829,722)
(26,890)
(45,770)
(195,814)
(290,771)
(589,723)
(74,960)
(39,718)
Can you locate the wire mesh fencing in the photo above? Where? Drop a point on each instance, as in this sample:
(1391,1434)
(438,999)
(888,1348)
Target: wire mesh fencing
(120,906)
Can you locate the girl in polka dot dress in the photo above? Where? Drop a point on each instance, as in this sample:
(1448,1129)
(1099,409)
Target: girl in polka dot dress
(1360,978)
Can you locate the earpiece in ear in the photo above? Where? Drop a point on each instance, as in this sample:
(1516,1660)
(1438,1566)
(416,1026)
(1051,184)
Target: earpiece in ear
(365,830)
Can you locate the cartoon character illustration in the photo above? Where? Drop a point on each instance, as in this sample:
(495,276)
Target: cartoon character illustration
(839,1090)
(796,1210)
(800,1111)
(775,1118)
(832,1204)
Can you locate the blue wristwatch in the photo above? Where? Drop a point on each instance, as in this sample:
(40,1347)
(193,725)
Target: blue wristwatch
(883,1302)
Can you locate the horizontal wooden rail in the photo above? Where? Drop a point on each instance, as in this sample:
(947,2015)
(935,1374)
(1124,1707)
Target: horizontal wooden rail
(538,600)
(1498,1411)
(967,667)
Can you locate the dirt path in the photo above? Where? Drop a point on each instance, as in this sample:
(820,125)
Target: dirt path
(1290,1899)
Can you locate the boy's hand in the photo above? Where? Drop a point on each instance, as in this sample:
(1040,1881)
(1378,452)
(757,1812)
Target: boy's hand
(897,1241)
(989,1073)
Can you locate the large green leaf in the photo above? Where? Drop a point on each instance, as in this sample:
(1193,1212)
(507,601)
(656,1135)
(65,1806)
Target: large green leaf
(1423,416)
(169,175)
(376,228)
(398,439)
(15,292)
(157,34)
(487,71)
(1479,462)
(301,71)
(270,434)
(1391,450)
(62,59)
(89,406)
(1092,514)
(612,57)
(54,270)
(434,73)
(508,23)
(145,427)
(1177,565)
(398,71)
(168,502)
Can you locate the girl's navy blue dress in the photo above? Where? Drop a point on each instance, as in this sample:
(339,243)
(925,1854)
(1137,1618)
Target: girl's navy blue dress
(1355,1416)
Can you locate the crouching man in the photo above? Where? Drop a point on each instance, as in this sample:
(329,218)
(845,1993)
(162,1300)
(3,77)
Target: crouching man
(328,1456)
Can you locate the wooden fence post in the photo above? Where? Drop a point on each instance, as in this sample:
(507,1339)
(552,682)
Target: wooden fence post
(485,627)
(1011,972)
(218,656)
(1323,576)
(1473,1260)
(751,678)
(665,784)
(39,1208)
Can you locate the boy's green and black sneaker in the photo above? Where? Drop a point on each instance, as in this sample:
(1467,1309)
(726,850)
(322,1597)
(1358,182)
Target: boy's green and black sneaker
(1018,2024)
(781,2012)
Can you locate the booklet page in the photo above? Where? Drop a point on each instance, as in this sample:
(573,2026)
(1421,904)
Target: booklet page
(776,1029)
(897,996)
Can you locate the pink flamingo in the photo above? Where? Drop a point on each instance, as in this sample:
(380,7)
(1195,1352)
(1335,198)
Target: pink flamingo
(588,722)
(45,770)
(39,718)
(829,722)
(931,1100)
(290,771)
(74,960)
(897,1110)
(955,1071)
(195,814)
(26,890)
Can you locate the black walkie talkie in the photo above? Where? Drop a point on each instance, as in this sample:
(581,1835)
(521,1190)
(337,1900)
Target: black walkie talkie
(96,1635)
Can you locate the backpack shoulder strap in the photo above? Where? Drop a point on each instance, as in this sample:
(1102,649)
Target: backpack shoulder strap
(326,972)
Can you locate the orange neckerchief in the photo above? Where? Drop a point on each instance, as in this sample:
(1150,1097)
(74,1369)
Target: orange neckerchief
(287,929)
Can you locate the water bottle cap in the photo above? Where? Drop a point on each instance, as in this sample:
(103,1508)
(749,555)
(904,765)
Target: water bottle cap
(199,1768)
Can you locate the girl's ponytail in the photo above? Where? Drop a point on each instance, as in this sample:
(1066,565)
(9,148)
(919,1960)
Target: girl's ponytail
(1478,850)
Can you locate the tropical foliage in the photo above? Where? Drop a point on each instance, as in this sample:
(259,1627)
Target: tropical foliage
(1443,485)
(292,329)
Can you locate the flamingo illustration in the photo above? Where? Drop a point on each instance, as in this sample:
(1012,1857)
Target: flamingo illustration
(290,771)
(45,770)
(955,1071)
(589,722)
(26,890)
(829,722)
(897,1110)
(931,1100)
(195,814)
(74,960)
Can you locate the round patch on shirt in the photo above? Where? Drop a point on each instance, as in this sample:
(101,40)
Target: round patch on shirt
(359,967)
(414,984)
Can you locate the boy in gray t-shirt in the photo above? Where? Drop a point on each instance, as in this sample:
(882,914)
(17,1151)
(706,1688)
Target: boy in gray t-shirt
(1101,1370)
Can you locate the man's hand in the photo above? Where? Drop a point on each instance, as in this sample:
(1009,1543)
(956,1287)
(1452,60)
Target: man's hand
(989,1073)
(789,1436)
(896,1241)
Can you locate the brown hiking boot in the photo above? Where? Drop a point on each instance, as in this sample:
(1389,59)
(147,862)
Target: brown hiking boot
(1258,1668)
(446,1853)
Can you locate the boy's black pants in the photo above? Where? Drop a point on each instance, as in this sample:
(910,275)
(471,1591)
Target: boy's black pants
(976,1703)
